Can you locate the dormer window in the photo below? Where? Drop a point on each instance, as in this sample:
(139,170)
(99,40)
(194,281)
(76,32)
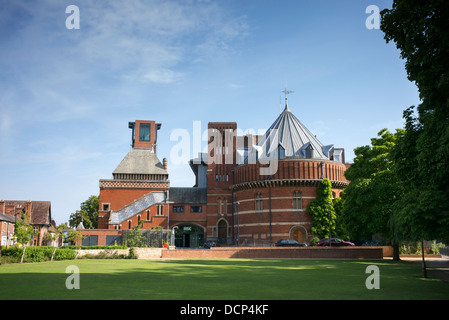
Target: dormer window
(144,132)
(309,152)
(281,152)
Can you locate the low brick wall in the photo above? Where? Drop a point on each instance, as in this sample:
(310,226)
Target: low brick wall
(276,253)
(142,253)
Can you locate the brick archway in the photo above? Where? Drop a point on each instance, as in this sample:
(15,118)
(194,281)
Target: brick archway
(298,233)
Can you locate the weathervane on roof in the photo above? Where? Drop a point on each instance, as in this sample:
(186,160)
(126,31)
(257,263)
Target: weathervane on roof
(286,92)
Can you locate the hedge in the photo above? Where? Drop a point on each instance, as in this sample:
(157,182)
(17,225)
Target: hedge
(38,254)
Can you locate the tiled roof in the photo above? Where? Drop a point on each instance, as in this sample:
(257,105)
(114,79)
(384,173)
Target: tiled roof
(140,161)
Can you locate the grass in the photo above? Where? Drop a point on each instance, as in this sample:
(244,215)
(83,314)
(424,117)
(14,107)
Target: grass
(233,279)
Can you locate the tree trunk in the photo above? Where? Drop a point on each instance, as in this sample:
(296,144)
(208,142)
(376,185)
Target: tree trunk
(396,252)
(424,268)
(53,254)
(23,253)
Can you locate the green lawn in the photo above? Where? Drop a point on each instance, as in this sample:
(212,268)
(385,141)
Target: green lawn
(218,279)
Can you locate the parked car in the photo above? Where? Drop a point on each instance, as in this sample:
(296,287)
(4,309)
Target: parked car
(209,244)
(335,242)
(289,243)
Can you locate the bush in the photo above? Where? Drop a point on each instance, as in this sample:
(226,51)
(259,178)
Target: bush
(36,254)
(64,254)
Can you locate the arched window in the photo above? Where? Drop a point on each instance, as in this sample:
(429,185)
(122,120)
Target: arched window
(259,203)
(297,200)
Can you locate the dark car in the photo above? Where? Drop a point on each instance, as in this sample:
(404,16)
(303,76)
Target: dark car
(335,242)
(289,243)
(209,244)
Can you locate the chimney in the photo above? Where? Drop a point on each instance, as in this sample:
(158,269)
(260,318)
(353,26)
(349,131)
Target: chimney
(165,163)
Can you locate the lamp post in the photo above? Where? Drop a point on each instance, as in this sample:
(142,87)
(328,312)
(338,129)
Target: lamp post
(329,216)
(238,223)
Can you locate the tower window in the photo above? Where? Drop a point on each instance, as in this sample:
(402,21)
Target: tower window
(297,200)
(259,203)
(144,132)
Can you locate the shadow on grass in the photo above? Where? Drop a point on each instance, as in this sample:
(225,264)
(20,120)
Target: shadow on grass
(218,280)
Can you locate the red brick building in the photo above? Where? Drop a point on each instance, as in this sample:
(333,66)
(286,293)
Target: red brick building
(39,213)
(249,189)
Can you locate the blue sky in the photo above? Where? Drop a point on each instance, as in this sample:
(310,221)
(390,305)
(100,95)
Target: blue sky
(67,95)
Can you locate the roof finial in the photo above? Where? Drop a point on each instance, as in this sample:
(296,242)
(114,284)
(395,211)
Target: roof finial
(286,92)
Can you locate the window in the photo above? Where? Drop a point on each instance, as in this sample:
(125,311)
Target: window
(259,203)
(105,206)
(144,132)
(178,209)
(281,152)
(196,209)
(297,200)
(160,211)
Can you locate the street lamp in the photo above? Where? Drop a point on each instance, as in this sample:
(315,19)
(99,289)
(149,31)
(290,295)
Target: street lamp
(329,216)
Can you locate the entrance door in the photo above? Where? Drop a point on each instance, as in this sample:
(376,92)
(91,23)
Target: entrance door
(298,235)
(187,240)
(222,231)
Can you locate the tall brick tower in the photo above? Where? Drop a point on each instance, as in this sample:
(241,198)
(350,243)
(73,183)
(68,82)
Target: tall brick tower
(138,174)
(221,162)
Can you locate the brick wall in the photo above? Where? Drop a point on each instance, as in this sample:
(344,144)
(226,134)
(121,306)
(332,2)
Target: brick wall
(276,253)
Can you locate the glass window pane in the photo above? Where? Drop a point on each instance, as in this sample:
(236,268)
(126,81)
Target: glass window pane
(144,132)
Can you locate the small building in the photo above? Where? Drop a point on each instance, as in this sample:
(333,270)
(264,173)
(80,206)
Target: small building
(39,213)
(7,223)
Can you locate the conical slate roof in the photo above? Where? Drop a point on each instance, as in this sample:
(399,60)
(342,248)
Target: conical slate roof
(291,139)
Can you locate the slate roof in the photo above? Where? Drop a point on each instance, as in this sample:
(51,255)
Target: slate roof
(140,161)
(188,195)
(7,217)
(137,206)
(294,137)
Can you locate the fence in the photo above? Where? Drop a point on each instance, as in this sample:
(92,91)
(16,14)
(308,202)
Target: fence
(145,238)
(444,251)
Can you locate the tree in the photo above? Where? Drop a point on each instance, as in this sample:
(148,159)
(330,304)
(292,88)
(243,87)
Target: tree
(58,235)
(88,214)
(320,209)
(420,29)
(23,232)
(369,199)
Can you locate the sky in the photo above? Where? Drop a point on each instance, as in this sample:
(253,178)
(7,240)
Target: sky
(68,93)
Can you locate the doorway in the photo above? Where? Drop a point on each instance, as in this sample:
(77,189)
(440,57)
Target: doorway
(189,236)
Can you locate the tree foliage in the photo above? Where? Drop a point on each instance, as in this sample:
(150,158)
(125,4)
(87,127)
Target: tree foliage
(321,208)
(23,232)
(420,30)
(88,214)
(370,197)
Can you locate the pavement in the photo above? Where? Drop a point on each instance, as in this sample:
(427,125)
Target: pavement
(436,267)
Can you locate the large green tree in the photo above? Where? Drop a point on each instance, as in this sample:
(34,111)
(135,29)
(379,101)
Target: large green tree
(420,29)
(368,201)
(88,214)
